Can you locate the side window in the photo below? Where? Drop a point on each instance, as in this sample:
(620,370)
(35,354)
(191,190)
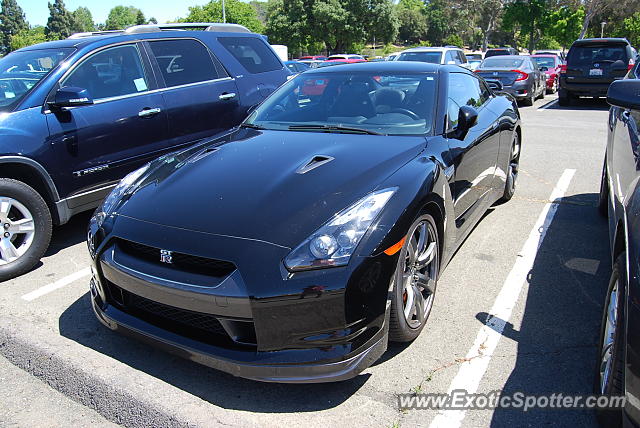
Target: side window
(253,53)
(465,90)
(110,73)
(462,58)
(451,57)
(183,61)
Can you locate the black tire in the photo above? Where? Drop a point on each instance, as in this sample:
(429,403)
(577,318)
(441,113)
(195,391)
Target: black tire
(42,227)
(543,91)
(512,169)
(565,98)
(603,197)
(615,385)
(529,100)
(400,329)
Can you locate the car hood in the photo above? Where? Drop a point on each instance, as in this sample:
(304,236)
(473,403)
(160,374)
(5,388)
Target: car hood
(249,185)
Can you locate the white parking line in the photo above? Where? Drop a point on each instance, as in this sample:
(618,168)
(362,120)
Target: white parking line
(62,282)
(472,370)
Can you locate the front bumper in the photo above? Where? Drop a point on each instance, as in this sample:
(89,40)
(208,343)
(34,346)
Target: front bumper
(238,363)
(259,321)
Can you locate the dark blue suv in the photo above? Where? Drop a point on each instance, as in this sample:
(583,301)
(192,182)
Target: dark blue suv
(77,115)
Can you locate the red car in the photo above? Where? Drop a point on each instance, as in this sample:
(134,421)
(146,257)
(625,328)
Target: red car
(313,58)
(550,64)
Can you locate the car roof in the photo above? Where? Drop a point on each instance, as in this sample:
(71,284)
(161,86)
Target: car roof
(600,40)
(507,57)
(391,67)
(546,55)
(430,48)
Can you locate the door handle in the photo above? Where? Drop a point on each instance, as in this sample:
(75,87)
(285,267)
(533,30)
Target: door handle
(148,112)
(494,125)
(227,96)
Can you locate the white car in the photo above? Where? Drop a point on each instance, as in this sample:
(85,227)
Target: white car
(345,56)
(435,55)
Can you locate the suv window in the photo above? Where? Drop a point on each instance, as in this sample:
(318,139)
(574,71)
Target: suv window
(463,59)
(451,56)
(112,72)
(183,62)
(588,54)
(433,57)
(465,90)
(252,53)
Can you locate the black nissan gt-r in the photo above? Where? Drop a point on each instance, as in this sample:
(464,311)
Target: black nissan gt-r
(294,247)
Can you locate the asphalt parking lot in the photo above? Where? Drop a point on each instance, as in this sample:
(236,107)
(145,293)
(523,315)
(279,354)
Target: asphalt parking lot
(541,341)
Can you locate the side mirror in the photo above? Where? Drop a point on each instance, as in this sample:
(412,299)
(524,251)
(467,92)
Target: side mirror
(625,94)
(71,96)
(495,85)
(467,118)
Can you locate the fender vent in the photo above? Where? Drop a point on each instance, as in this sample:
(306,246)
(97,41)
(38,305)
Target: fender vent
(313,163)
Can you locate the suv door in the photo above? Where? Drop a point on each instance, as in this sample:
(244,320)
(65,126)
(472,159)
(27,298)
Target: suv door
(200,97)
(126,126)
(476,155)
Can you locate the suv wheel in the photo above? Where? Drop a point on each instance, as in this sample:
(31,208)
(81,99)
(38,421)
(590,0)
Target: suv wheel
(25,228)
(564,97)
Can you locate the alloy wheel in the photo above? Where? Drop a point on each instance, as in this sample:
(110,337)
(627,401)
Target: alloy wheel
(419,274)
(17,228)
(608,340)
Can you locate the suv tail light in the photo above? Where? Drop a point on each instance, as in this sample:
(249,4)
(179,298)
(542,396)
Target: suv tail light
(523,75)
(632,63)
(563,68)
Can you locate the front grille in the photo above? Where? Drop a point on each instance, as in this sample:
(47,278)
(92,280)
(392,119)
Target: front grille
(180,261)
(204,322)
(198,326)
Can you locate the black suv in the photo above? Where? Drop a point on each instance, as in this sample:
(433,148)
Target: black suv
(77,115)
(592,64)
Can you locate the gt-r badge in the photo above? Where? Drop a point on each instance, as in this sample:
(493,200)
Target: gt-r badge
(166,256)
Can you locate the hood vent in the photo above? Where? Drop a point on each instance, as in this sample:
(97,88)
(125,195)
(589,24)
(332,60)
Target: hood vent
(313,163)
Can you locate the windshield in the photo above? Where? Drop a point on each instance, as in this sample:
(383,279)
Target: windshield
(21,71)
(394,104)
(589,54)
(544,61)
(431,57)
(502,63)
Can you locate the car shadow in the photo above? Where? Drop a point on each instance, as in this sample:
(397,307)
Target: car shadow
(69,234)
(557,337)
(79,324)
(578,105)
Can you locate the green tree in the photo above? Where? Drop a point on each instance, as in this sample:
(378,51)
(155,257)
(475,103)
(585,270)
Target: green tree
(382,22)
(287,24)
(82,20)
(632,27)
(12,21)
(236,11)
(261,10)
(121,17)
(529,16)
(439,24)
(454,40)
(564,25)
(60,22)
(28,37)
(412,21)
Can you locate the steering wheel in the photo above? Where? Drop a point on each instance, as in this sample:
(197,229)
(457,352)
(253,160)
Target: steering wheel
(406,112)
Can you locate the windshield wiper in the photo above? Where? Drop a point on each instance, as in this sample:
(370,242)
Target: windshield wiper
(251,125)
(332,128)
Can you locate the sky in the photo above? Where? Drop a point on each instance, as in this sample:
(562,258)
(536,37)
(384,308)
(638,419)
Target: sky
(37,11)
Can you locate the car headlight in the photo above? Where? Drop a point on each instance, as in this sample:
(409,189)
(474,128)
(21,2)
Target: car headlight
(334,243)
(124,188)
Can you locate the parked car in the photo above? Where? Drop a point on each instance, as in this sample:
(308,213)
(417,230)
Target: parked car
(500,51)
(346,57)
(296,67)
(619,201)
(474,64)
(344,60)
(392,57)
(549,64)
(474,56)
(519,75)
(313,58)
(302,241)
(592,64)
(79,114)
(559,53)
(435,55)
(312,63)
